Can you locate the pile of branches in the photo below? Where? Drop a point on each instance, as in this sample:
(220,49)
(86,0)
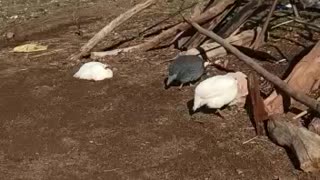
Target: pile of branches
(214,15)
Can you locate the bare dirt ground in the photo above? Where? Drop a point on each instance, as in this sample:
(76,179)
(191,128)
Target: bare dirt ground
(53,126)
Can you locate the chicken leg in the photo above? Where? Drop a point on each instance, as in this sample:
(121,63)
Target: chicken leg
(180,87)
(219,113)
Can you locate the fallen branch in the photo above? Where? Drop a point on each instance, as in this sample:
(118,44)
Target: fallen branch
(207,15)
(303,143)
(311,103)
(84,50)
(281,24)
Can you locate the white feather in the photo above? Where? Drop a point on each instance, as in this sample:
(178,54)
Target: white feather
(215,92)
(94,71)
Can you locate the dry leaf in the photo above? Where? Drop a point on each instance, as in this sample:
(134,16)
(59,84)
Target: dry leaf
(30,48)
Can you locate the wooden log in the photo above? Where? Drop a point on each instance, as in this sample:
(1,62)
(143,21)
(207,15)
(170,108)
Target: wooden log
(84,50)
(302,142)
(304,77)
(257,105)
(204,17)
(244,39)
(295,94)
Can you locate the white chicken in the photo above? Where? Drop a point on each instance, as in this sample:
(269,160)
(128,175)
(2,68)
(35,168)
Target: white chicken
(94,71)
(215,92)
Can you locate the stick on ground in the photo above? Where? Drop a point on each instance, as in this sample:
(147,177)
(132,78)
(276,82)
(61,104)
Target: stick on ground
(301,97)
(84,50)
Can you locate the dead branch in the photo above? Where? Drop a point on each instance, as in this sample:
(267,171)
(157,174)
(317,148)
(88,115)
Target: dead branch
(260,39)
(84,50)
(297,95)
(302,142)
(207,15)
(257,105)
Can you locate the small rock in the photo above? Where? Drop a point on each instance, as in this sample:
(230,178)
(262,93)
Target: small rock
(9,35)
(14,17)
(239,171)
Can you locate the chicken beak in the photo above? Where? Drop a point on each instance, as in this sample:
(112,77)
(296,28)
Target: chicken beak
(170,79)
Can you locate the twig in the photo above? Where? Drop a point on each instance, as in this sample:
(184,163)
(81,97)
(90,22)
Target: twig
(302,113)
(109,170)
(84,50)
(301,97)
(280,61)
(246,142)
(281,24)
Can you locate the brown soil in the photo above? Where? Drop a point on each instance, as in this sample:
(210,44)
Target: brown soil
(54,126)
